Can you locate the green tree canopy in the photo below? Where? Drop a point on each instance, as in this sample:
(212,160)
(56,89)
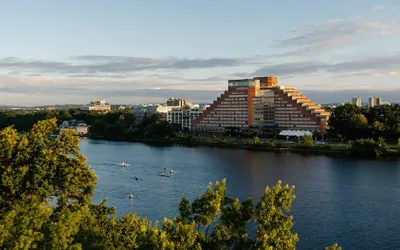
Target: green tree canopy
(46,187)
(352,122)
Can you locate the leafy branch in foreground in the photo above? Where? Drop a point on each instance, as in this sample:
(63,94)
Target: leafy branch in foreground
(45,203)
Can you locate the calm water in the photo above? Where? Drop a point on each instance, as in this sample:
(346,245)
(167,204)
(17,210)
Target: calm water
(355,203)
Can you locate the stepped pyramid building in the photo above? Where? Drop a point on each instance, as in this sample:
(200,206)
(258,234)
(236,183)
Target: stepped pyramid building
(261,102)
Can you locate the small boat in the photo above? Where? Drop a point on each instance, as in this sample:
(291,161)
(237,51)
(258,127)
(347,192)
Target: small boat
(171,171)
(131,196)
(124,164)
(137,178)
(162,174)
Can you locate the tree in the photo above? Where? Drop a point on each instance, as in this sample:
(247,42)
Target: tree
(231,231)
(389,115)
(358,121)
(207,208)
(274,227)
(256,140)
(369,147)
(339,122)
(307,141)
(38,165)
(99,128)
(334,247)
(36,169)
(45,203)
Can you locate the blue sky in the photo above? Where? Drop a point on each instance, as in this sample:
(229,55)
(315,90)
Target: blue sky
(144,51)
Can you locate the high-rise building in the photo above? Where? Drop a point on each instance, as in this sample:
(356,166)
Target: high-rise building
(372,102)
(357,101)
(379,101)
(375,101)
(261,102)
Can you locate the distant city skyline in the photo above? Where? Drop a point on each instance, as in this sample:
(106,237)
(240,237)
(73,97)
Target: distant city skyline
(147,51)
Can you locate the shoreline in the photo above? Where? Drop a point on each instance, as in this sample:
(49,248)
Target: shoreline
(343,153)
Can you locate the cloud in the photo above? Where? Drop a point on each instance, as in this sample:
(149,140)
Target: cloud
(290,69)
(337,96)
(139,86)
(100,58)
(378,8)
(369,65)
(387,65)
(92,65)
(43,96)
(332,34)
(63,92)
(130,79)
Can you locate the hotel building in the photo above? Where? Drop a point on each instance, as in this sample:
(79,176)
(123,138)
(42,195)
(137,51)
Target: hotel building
(261,102)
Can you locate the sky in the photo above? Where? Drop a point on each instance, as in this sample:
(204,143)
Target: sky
(131,52)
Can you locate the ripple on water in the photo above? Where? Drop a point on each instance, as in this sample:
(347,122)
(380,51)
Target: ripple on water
(355,203)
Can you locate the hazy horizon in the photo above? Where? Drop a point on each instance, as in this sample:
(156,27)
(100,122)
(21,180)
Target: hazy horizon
(146,51)
(206,97)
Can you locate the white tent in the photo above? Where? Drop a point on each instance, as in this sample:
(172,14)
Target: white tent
(298,133)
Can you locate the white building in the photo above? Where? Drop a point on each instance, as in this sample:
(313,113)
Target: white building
(184,115)
(375,101)
(147,110)
(98,105)
(357,101)
(81,127)
(162,112)
(144,110)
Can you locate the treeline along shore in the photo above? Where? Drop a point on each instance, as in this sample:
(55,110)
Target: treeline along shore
(46,190)
(353,131)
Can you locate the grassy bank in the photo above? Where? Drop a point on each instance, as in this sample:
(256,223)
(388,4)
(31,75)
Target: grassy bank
(249,144)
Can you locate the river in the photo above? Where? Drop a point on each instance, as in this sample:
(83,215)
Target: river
(353,202)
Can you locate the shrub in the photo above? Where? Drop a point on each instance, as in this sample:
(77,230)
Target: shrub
(256,140)
(307,141)
(369,147)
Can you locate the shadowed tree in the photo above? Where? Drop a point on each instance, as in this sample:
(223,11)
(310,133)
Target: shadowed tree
(45,187)
(334,247)
(274,227)
(45,192)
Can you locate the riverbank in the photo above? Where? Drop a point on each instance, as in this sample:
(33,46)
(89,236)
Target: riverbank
(268,146)
(323,184)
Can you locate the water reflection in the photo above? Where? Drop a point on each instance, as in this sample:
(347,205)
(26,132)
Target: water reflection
(338,200)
